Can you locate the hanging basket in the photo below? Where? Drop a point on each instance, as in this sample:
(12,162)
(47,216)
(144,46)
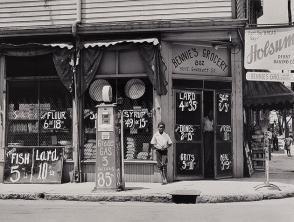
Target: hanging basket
(95,89)
(135,88)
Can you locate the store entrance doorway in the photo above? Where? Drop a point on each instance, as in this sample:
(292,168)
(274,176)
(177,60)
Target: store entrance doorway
(208,133)
(203,135)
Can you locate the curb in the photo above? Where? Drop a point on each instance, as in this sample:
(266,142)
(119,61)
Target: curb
(23,196)
(112,198)
(155,198)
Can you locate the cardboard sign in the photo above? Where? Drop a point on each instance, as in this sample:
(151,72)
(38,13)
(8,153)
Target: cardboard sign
(33,164)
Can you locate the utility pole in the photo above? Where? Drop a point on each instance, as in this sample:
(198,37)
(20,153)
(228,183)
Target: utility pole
(292,84)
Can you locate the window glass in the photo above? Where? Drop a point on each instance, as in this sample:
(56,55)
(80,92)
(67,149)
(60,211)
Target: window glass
(40,114)
(137,120)
(107,64)
(130,62)
(30,66)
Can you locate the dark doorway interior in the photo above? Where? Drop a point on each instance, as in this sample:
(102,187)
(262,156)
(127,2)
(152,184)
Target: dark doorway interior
(208,135)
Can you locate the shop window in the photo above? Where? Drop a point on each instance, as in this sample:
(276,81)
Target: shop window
(130,62)
(39,114)
(136,123)
(121,61)
(30,66)
(107,65)
(122,68)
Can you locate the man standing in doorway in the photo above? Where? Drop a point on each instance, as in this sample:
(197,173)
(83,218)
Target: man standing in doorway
(161,142)
(208,143)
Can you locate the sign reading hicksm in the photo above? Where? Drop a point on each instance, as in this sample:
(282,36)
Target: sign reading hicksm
(271,49)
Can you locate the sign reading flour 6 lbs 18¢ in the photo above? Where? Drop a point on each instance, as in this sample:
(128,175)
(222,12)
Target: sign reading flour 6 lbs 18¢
(55,120)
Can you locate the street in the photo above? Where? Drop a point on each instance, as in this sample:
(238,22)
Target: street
(50,211)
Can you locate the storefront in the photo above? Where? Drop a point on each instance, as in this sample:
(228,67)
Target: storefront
(175,80)
(203,74)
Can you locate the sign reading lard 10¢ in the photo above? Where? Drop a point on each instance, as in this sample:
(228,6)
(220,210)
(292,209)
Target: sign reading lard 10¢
(203,60)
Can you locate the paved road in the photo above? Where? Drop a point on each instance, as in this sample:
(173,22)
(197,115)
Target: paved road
(53,211)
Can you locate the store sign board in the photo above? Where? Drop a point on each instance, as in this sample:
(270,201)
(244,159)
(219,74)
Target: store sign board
(270,76)
(270,49)
(202,60)
(33,164)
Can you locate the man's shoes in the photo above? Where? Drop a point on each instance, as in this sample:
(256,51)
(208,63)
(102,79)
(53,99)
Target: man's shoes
(164,182)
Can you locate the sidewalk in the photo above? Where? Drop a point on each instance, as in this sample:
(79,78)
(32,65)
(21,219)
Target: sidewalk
(212,191)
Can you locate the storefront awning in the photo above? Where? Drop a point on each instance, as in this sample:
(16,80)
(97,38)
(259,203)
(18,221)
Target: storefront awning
(154,41)
(34,45)
(273,95)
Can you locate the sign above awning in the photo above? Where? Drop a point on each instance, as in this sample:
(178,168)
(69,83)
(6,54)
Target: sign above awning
(270,76)
(154,41)
(269,48)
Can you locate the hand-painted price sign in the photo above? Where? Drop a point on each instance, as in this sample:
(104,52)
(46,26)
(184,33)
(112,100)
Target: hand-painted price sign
(188,161)
(56,120)
(108,162)
(187,101)
(33,164)
(225,162)
(136,119)
(187,133)
(224,132)
(224,102)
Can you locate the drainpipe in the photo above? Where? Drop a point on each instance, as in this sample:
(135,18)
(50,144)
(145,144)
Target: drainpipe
(76,104)
(78,20)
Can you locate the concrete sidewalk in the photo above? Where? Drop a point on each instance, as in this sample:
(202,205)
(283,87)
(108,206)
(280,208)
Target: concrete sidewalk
(212,191)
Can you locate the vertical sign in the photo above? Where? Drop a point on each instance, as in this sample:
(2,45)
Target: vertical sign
(33,164)
(223,147)
(189,152)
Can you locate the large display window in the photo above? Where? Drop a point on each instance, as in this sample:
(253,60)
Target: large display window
(122,69)
(39,111)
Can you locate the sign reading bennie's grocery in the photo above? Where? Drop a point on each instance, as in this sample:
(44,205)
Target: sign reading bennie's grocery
(196,59)
(271,49)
